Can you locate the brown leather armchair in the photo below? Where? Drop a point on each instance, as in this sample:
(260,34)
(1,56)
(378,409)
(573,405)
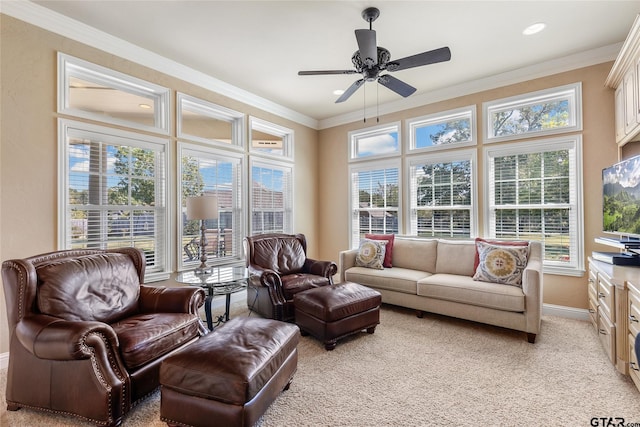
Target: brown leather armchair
(278,268)
(86,336)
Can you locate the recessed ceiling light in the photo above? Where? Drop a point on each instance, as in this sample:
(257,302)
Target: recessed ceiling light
(338,92)
(534,28)
(145,106)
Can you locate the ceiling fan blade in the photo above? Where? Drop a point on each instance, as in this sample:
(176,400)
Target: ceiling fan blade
(367,46)
(347,93)
(325,72)
(398,86)
(425,58)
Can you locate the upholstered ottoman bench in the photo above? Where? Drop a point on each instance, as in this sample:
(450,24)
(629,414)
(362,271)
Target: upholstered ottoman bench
(230,376)
(333,312)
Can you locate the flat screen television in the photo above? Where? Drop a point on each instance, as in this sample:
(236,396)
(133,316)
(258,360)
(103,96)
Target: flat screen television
(621,198)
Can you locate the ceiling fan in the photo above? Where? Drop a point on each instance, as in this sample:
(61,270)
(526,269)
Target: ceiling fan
(370,60)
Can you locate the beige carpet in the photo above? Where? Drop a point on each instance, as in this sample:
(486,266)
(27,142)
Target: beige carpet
(434,371)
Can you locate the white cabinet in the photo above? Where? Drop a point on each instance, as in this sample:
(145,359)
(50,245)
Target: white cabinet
(630,95)
(625,79)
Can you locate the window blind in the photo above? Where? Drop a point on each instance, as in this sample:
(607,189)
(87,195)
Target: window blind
(115,194)
(374,201)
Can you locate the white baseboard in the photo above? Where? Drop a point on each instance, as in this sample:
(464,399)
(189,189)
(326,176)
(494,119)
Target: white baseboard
(564,311)
(548,309)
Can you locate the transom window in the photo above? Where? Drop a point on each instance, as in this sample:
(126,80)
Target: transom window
(203,121)
(90,91)
(538,113)
(443,130)
(375,142)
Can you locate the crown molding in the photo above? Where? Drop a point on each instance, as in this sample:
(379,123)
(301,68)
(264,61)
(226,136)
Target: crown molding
(567,63)
(70,28)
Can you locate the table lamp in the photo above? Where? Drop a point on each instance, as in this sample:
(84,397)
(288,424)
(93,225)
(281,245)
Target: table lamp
(202,208)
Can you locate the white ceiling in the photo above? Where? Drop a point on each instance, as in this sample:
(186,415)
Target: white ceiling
(259,46)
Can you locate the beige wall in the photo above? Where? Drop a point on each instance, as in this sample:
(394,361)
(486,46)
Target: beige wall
(28,141)
(599,151)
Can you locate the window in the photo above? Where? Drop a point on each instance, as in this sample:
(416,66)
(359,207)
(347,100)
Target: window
(535,193)
(202,121)
(375,199)
(113,192)
(203,171)
(545,112)
(90,91)
(374,142)
(271,197)
(442,193)
(270,139)
(443,130)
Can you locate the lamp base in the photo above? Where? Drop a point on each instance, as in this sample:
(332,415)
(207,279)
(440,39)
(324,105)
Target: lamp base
(203,270)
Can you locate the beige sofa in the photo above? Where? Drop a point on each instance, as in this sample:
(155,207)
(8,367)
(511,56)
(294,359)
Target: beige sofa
(435,275)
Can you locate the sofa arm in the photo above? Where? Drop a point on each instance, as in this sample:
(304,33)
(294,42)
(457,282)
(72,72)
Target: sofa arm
(161,299)
(347,260)
(532,286)
(53,338)
(321,268)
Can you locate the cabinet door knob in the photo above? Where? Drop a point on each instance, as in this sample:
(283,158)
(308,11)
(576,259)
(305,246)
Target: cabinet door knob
(633,318)
(601,295)
(591,310)
(591,280)
(602,331)
(633,365)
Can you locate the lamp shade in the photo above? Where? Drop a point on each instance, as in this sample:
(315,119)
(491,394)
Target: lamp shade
(202,207)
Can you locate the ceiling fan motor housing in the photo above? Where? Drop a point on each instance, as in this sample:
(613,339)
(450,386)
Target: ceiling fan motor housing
(370,72)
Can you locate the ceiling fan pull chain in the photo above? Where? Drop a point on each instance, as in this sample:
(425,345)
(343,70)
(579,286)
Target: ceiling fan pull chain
(377,105)
(364,102)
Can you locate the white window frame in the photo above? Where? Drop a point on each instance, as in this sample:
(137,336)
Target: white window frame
(214,111)
(356,168)
(288,202)
(69,128)
(239,229)
(569,142)
(441,157)
(571,92)
(356,136)
(414,124)
(69,66)
(282,132)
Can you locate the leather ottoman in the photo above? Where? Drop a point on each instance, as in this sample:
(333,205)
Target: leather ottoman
(333,312)
(230,376)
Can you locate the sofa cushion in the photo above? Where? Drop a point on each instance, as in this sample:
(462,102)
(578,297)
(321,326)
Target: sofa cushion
(415,254)
(464,289)
(144,337)
(456,257)
(100,287)
(394,279)
(501,264)
(388,250)
(371,254)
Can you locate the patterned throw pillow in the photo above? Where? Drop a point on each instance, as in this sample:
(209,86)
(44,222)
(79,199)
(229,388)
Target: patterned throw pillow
(388,255)
(501,264)
(371,254)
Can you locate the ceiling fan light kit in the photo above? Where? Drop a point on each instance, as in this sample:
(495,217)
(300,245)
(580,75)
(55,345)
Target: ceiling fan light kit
(371,60)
